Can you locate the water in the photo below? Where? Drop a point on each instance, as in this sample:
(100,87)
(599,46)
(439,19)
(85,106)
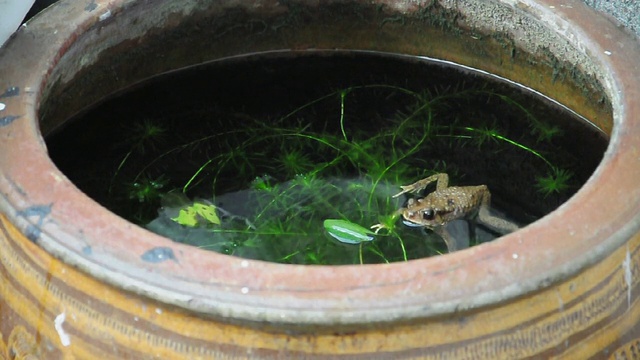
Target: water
(249,156)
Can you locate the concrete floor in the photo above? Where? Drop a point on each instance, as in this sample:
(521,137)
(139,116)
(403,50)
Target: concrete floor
(627,12)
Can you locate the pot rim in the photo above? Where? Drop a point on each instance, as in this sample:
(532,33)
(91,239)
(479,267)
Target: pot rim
(44,204)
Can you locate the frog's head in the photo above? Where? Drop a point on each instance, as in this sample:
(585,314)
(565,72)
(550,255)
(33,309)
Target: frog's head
(420,213)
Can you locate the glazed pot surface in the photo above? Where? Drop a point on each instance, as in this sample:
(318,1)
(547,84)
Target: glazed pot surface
(574,270)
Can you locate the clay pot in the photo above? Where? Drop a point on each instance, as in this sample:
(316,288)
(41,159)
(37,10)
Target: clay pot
(80,282)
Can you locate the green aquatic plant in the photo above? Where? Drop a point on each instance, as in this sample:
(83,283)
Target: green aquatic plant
(147,134)
(257,171)
(295,161)
(262,183)
(349,233)
(544,130)
(146,190)
(485,134)
(556,181)
(306,187)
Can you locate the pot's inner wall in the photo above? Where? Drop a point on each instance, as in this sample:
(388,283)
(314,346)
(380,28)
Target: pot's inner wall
(162,36)
(282,156)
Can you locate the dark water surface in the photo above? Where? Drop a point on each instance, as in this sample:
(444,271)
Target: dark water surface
(249,155)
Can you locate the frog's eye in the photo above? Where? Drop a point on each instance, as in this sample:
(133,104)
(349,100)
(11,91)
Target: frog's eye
(428,214)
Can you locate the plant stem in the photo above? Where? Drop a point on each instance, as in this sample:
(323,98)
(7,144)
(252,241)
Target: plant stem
(343,94)
(186,186)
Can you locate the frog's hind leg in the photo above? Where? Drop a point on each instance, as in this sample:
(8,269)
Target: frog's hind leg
(453,243)
(500,225)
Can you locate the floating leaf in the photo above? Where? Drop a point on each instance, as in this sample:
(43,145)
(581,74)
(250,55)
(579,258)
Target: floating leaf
(191,215)
(348,232)
(208,212)
(187,217)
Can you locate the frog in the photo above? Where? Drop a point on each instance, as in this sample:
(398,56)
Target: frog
(446,204)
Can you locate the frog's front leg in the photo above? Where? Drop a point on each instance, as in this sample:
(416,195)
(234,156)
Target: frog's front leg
(442,182)
(498,224)
(388,224)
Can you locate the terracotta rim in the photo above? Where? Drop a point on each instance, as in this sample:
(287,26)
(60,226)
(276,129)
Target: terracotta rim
(52,212)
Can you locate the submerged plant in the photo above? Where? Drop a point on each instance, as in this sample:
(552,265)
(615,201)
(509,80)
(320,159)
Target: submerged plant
(556,181)
(147,134)
(295,162)
(285,189)
(144,135)
(545,131)
(485,134)
(147,190)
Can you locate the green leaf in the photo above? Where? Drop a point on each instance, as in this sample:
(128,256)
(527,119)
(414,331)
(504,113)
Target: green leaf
(208,212)
(348,232)
(192,215)
(187,217)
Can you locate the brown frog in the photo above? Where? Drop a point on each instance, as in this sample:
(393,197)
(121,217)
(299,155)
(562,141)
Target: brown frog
(446,204)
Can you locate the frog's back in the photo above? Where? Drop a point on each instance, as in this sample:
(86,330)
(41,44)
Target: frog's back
(457,199)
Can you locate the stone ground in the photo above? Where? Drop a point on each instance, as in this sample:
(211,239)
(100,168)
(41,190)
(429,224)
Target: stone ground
(626,11)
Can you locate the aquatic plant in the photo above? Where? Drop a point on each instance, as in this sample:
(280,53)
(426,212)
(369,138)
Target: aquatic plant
(349,233)
(308,187)
(147,190)
(295,161)
(556,181)
(146,134)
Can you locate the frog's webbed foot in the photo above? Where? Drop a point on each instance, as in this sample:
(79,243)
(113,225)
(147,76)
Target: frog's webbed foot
(249,224)
(378,227)
(406,189)
(442,181)
(387,222)
(231,217)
